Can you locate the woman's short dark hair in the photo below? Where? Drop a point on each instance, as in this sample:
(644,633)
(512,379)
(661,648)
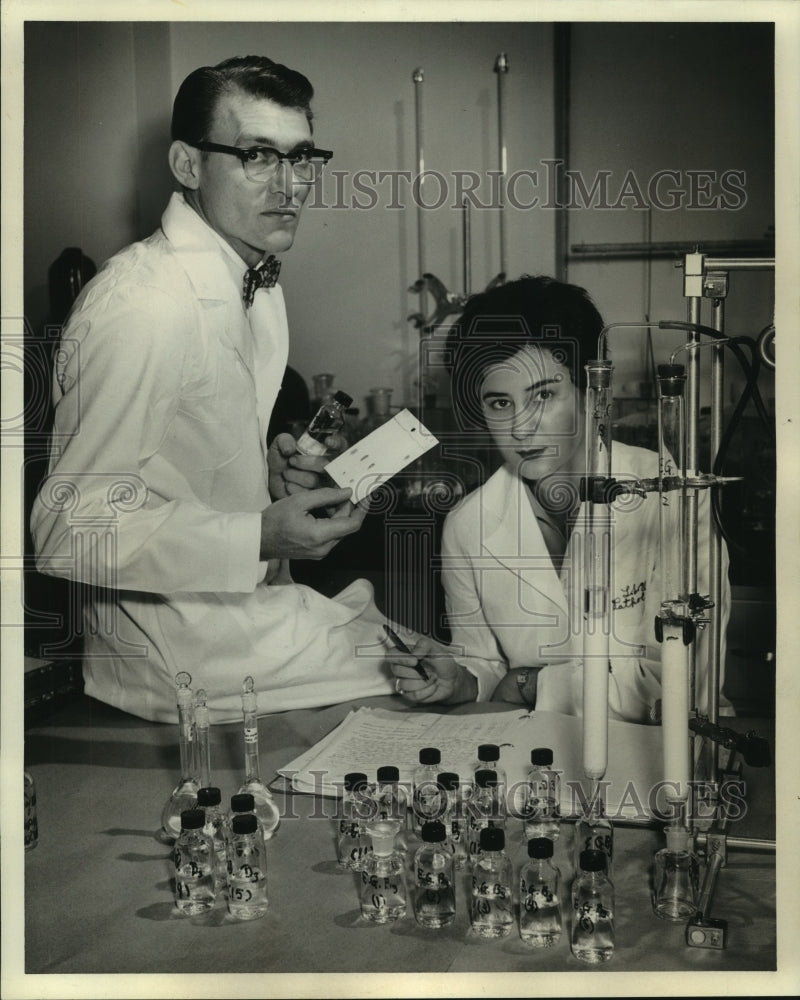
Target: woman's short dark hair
(257,76)
(498,323)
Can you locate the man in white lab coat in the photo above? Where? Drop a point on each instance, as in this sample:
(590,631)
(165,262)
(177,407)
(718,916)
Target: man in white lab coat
(161,496)
(513,550)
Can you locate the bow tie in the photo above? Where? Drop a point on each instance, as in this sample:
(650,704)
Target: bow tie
(261,277)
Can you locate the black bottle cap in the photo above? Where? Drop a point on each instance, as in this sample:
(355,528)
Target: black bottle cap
(485,778)
(433,832)
(540,847)
(242,802)
(542,756)
(209,796)
(593,861)
(388,773)
(488,751)
(492,838)
(353,780)
(244,823)
(448,780)
(192,819)
(343,398)
(430,755)
(671,379)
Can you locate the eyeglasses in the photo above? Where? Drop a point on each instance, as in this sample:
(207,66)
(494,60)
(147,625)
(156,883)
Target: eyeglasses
(261,163)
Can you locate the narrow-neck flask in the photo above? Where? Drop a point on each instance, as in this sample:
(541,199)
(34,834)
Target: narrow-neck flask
(384,896)
(209,799)
(592,938)
(676,878)
(353,843)
(454,817)
(247,869)
(542,808)
(539,905)
(491,902)
(193,858)
(265,807)
(594,832)
(425,796)
(483,810)
(434,877)
(328,419)
(184,795)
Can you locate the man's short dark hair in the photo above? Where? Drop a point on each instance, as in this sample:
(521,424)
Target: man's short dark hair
(497,324)
(257,76)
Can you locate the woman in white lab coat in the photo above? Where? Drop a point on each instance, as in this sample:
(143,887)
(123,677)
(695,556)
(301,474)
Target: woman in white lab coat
(512,550)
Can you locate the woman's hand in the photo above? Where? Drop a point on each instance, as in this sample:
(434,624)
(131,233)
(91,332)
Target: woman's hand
(447,681)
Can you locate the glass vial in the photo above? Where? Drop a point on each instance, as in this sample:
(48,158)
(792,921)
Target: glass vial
(384,896)
(31,821)
(391,804)
(193,857)
(209,800)
(453,816)
(489,760)
(426,803)
(539,906)
(328,419)
(247,869)
(483,810)
(542,805)
(434,875)
(491,903)
(592,938)
(676,880)
(353,842)
(594,832)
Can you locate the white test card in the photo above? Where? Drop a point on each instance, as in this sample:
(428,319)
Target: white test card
(381,454)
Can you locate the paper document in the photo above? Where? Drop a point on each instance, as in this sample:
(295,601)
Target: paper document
(369,738)
(381,455)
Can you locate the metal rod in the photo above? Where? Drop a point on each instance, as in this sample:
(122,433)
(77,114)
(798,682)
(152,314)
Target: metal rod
(418,76)
(501,68)
(649,249)
(692,414)
(756,844)
(467,250)
(740,263)
(715,561)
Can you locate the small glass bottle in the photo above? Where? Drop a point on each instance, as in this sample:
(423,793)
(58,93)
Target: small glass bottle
(328,419)
(384,897)
(247,869)
(391,804)
(592,938)
(539,906)
(676,879)
(426,804)
(434,874)
(209,799)
(483,810)
(454,818)
(31,821)
(193,857)
(266,810)
(353,843)
(492,903)
(379,404)
(542,805)
(594,832)
(489,760)
(184,795)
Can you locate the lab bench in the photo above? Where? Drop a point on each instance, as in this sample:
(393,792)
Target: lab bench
(99,896)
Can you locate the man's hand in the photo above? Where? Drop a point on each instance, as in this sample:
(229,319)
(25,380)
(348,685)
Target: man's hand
(291,472)
(289,530)
(447,680)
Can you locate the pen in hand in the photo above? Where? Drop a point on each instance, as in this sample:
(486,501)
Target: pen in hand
(395,638)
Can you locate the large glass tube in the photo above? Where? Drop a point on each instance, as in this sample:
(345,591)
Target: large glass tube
(597,569)
(184,795)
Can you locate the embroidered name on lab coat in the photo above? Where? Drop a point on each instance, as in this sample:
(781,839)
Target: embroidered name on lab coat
(630,595)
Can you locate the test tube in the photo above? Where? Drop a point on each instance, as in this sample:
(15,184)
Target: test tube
(597,569)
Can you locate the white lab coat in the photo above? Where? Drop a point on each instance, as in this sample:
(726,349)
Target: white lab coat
(163,393)
(509,607)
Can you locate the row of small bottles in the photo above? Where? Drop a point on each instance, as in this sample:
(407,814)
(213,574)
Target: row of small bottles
(217,855)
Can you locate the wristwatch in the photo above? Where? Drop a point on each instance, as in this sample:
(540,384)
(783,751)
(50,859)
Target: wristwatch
(523,676)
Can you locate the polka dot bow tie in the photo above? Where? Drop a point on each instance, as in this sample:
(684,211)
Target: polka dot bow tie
(261,277)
